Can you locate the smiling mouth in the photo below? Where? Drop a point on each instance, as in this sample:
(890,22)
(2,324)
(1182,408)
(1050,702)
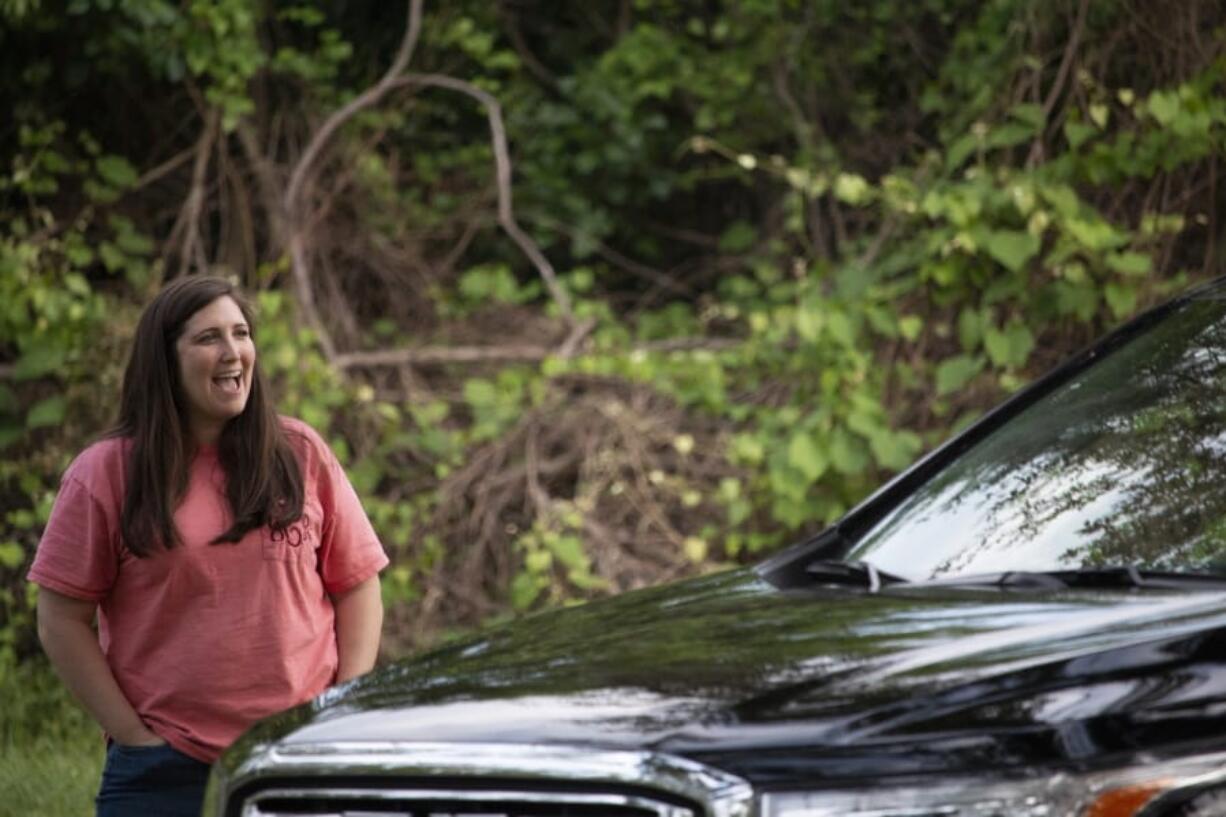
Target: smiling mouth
(230,384)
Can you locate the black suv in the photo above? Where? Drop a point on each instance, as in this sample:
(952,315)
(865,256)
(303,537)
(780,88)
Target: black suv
(1030,621)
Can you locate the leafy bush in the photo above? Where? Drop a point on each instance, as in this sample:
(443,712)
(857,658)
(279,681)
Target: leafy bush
(803,242)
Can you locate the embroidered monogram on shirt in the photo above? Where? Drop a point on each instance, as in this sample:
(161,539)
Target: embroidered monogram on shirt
(295,534)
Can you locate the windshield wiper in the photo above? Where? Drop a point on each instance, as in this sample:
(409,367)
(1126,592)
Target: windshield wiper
(855,574)
(1114,577)
(1133,576)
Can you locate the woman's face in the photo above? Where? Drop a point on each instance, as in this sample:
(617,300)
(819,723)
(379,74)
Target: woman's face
(216,359)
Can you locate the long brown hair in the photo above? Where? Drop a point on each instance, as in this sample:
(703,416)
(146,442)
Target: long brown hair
(263,479)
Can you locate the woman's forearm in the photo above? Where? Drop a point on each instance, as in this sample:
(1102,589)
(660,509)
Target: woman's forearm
(64,628)
(359,622)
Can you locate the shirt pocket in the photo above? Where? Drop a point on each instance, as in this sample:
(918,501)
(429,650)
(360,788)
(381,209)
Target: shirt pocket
(297,542)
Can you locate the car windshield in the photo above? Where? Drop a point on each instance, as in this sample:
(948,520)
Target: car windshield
(1123,465)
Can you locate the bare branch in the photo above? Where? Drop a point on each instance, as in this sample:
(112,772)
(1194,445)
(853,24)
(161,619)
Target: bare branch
(266,181)
(394,78)
(804,133)
(300,177)
(1066,65)
(624,18)
(510,22)
(461,246)
(502,163)
(443,354)
(170,165)
(370,96)
(707,242)
(187,224)
(513,354)
(576,337)
(241,209)
(884,233)
(802,128)
(615,258)
(538,495)
(306,298)
(689,345)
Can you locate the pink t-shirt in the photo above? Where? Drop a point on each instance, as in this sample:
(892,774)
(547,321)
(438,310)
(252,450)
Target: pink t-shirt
(206,639)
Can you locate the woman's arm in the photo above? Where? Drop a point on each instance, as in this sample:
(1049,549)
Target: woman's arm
(359,620)
(67,635)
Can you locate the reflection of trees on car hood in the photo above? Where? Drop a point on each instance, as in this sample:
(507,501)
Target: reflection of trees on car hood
(730,667)
(1121,465)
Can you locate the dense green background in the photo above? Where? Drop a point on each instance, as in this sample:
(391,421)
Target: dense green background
(795,245)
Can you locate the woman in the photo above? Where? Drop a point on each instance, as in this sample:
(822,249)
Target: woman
(228,559)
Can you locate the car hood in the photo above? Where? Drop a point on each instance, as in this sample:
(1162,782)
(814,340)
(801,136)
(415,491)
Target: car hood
(829,683)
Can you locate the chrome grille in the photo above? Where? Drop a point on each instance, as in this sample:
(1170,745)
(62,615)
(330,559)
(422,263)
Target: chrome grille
(391,802)
(412,779)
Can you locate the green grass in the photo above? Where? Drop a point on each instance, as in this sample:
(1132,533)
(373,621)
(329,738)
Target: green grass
(50,751)
(50,778)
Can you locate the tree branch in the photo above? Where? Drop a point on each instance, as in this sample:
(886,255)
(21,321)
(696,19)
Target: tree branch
(152,175)
(1066,66)
(241,208)
(266,182)
(502,165)
(187,224)
(613,257)
(803,133)
(301,176)
(509,354)
(535,67)
(443,354)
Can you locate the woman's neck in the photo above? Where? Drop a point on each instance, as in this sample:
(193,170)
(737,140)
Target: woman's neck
(206,434)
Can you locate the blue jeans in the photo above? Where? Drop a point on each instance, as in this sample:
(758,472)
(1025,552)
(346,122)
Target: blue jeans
(150,781)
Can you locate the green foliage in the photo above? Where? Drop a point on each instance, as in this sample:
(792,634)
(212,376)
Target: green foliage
(212,41)
(1006,250)
(555,563)
(488,285)
(816,261)
(54,328)
(51,753)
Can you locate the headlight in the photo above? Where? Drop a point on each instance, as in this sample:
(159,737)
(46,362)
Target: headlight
(1193,787)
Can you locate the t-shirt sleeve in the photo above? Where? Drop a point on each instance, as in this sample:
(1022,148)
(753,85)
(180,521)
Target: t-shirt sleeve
(78,554)
(350,551)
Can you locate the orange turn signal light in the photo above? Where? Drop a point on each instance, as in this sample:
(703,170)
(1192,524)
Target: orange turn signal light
(1126,801)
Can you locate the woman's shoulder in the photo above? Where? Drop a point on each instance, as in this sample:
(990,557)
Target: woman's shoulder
(304,439)
(102,461)
(102,452)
